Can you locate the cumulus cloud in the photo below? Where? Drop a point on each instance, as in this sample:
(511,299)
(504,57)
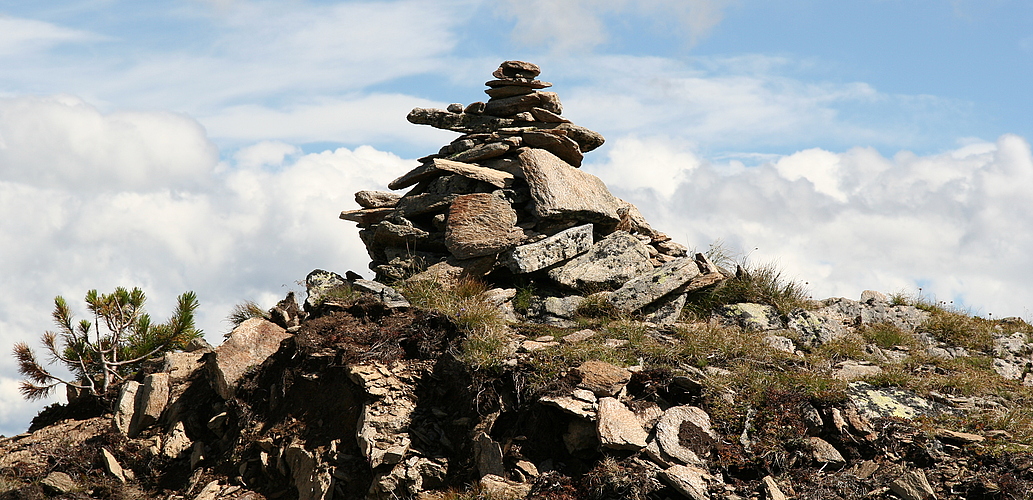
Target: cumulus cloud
(71,144)
(576,25)
(152,207)
(953,223)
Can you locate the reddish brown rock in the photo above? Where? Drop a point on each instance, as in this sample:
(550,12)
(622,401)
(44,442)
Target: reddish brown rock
(481,224)
(560,191)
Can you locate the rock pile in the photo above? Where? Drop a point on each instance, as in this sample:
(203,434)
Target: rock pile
(508,197)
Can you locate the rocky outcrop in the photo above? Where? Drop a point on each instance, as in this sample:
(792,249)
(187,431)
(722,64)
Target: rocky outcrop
(247,346)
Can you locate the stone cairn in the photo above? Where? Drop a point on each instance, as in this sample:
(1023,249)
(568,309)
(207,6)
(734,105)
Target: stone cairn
(507,198)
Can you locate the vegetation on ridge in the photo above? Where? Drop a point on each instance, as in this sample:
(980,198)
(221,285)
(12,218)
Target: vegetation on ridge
(98,357)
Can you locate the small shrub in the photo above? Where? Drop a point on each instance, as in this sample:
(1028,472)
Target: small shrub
(109,349)
(523,299)
(612,479)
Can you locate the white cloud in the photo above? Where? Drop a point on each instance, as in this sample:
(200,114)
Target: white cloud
(956,222)
(577,25)
(62,141)
(25,36)
(154,210)
(357,119)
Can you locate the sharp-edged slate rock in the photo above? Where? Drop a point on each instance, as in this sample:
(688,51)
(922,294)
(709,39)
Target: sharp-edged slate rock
(560,191)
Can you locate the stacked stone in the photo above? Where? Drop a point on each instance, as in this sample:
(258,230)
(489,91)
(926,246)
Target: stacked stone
(508,194)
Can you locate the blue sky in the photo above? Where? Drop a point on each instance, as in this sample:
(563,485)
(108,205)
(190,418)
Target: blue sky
(209,145)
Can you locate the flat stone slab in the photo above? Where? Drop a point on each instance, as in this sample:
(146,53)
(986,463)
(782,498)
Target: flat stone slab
(684,433)
(558,144)
(607,265)
(481,224)
(648,288)
(367,216)
(376,199)
(539,255)
(491,176)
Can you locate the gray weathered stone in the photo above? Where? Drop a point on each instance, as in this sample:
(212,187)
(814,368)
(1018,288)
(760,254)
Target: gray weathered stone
(59,483)
(581,403)
(491,176)
(497,487)
(772,489)
(608,264)
(126,406)
(561,246)
(887,402)
(385,294)
(320,283)
(176,442)
(508,91)
(814,329)
(481,224)
(517,69)
(480,152)
(453,270)
(488,454)
(823,452)
(578,336)
(646,289)
(780,343)
(376,199)
(684,433)
(547,116)
(913,485)
(753,317)
(311,478)
(382,429)
(509,106)
(689,481)
(248,346)
(151,401)
(852,370)
(367,216)
(112,466)
(618,427)
(560,191)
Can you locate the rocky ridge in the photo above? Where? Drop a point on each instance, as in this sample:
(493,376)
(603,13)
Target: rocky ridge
(601,380)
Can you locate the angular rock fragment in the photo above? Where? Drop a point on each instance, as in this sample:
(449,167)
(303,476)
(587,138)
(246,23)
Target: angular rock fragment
(247,346)
(684,433)
(508,91)
(560,191)
(376,199)
(151,401)
(491,176)
(618,427)
(558,144)
(481,152)
(646,289)
(823,452)
(367,216)
(383,293)
(602,378)
(913,485)
(125,408)
(689,481)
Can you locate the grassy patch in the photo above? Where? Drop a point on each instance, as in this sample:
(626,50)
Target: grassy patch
(761,284)
(487,343)
(888,336)
(959,329)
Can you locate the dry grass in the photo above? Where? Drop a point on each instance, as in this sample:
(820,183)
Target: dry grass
(761,284)
(487,343)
